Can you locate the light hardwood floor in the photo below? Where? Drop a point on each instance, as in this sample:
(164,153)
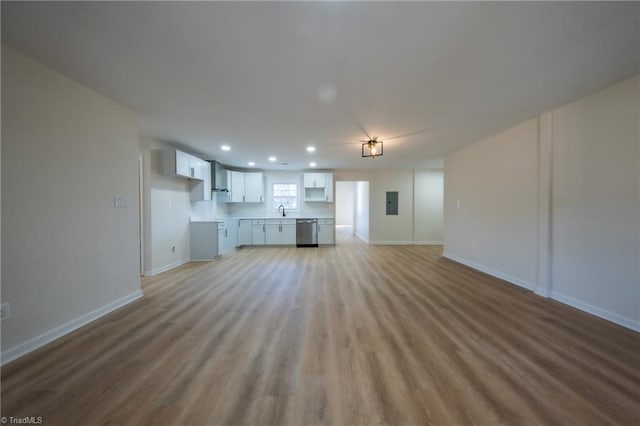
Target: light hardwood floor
(352,334)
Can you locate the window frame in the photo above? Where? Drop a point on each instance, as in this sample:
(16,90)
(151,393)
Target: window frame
(297,196)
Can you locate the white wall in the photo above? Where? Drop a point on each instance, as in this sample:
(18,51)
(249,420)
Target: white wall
(490,202)
(68,255)
(594,213)
(428,227)
(345,203)
(362,224)
(167,212)
(416,197)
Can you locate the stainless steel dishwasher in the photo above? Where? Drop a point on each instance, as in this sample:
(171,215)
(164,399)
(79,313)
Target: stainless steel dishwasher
(306,232)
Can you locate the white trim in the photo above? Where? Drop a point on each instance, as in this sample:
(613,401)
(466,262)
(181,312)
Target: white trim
(166,268)
(366,240)
(404,243)
(141,211)
(391,243)
(599,312)
(542,292)
(51,335)
(513,280)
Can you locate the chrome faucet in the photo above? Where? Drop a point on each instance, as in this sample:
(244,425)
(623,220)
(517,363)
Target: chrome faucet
(281,205)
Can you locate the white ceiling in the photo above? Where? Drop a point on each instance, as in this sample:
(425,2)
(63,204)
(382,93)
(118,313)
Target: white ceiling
(271,78)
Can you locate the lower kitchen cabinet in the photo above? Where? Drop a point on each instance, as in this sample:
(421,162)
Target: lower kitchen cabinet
(203,240)
(232,235)
(326,230)
(244,232)
(258,232)
(280,232)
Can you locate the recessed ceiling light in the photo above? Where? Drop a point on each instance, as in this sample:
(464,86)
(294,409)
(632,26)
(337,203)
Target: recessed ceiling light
(311,149)
(251,163)
(272,159)
(312,164)
(225,148)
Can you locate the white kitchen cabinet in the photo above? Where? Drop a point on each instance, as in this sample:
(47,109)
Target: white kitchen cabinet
(203,240)
(258,232)
(328,188)
(182,163)
(232,235)
(272,234)
(196,166)
(318,187)
(247,187)
(326,231)
(280,232)
(253,187)
(244,232)
(222,238)
(201,189)
(237,187)
(177,163)
(314,180)
(288,233)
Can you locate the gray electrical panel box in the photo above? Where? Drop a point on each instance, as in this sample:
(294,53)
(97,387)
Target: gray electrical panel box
(392,203)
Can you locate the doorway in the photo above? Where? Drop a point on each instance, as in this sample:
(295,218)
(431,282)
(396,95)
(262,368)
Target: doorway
(352,210)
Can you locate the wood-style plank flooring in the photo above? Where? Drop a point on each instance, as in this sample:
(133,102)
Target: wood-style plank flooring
(345,335)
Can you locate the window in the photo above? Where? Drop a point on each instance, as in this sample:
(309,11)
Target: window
(285,194)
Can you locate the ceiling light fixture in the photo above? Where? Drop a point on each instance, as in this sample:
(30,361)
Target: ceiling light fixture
(311,149)
(312,164)
(225,148)
(251,163)
(272,159)
(372,148)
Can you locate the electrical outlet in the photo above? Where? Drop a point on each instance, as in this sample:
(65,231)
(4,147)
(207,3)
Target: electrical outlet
(4,311)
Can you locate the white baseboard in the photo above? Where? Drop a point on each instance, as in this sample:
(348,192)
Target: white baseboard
(513,280)
(51,335)
(405,242)
(543,292)
(391,243)
(165,268)
(599,312)
(366,240)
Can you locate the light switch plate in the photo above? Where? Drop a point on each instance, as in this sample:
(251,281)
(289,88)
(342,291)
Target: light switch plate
(120,201)
(4,311)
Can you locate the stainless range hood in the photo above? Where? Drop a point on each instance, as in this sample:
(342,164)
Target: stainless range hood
(219,182)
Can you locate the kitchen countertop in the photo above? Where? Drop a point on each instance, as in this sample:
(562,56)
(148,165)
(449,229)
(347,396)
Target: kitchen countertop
(218,220)
(280,217)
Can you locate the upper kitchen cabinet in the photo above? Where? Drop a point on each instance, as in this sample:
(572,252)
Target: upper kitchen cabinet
(201,189)
(318,187)
(253,187)
(236,187)
(247,187)
(178,163)
(314,180)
